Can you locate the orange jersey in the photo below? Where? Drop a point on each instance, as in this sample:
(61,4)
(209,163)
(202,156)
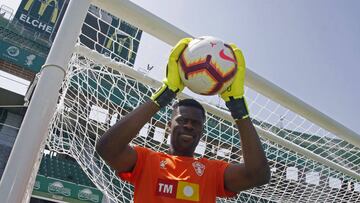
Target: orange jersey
(160,177)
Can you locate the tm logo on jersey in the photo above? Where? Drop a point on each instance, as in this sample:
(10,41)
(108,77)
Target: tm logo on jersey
(178,189)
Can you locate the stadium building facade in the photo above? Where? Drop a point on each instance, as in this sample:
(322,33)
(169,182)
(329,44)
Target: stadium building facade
(25,40)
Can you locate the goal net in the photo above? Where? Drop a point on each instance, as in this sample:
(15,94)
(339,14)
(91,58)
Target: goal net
(308,163)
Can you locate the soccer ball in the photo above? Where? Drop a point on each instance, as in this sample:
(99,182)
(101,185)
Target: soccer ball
(207,66)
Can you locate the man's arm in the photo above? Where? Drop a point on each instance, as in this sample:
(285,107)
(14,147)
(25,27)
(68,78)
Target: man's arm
(255,170)
(114,147)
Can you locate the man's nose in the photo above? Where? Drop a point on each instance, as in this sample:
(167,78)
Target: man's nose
(188,124)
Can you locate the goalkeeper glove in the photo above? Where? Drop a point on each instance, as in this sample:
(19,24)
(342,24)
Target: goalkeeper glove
(172,84)
(234,94)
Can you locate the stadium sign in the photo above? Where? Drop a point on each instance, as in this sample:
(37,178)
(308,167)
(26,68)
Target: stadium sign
(40,15)
(21,57)
(110,36)
(57,189)
(117,43)
(87,194)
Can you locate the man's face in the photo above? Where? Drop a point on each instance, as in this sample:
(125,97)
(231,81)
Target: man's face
(186,128)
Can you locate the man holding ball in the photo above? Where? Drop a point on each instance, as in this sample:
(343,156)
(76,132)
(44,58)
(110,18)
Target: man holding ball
(177,176)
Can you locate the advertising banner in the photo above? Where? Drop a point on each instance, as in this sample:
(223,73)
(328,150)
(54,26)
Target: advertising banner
(40,15)
(110,36)
(21,57)
(61,190)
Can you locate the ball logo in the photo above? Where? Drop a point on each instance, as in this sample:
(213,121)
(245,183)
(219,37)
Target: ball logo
(225,57)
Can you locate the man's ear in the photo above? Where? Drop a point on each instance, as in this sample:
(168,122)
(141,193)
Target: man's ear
(168,125)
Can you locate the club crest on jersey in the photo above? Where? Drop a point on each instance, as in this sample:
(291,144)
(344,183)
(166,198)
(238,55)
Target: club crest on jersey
(199,168)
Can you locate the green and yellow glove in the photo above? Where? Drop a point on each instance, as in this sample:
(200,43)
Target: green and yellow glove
(234,94)
(172,83)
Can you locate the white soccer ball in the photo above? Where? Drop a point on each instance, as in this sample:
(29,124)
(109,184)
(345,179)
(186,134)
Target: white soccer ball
(207,66)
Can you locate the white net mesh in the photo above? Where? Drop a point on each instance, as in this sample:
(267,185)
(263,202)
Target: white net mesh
(97,92)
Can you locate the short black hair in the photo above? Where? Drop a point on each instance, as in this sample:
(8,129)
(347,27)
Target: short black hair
(191,103)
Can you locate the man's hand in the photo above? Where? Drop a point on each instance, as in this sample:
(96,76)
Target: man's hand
(172,83)
(234,94)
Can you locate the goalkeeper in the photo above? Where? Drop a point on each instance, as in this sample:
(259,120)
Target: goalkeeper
(177,176)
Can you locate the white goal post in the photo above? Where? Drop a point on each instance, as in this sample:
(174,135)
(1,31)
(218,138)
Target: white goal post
(309,154)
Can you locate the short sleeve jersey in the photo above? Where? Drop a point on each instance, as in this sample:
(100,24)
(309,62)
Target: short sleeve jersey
(159,177)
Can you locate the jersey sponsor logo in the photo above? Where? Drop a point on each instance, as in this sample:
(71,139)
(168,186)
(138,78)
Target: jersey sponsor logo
(199,168)
(188,191)
(166,188)
(178,189)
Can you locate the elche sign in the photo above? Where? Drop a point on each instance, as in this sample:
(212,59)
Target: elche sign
(40,15)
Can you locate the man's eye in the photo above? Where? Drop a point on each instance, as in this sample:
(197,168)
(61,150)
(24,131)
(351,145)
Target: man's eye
(196,123)
(181,120)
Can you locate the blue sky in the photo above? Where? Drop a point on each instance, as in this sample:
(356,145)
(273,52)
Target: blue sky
(310,48)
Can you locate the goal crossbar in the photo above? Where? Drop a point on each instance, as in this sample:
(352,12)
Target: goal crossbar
(170,34)
(142,78)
